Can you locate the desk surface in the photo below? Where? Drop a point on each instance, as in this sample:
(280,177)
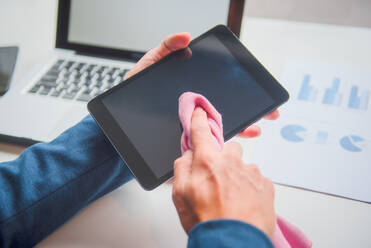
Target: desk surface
(122,218)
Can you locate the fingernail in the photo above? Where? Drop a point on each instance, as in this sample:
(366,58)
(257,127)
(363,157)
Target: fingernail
(199,109)
(188,153)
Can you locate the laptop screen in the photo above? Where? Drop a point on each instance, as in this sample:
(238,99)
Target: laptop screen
(140,25)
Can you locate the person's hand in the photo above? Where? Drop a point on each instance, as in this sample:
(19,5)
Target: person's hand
(176,42)
(253,130)
(172,43)
(211,184)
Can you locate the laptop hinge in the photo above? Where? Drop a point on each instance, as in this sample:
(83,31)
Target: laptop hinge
(133,58)
(64,51)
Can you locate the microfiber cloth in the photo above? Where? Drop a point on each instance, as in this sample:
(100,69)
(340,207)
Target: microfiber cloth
(286,234)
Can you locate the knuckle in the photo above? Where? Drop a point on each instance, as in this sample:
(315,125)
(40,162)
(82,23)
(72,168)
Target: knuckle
(178,162)
(177,193)
(232,158)
(206,158)
(254,169)
(269,183)
(270,186)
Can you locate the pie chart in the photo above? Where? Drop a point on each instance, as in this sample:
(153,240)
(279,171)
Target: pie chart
(293,133)
(352,143)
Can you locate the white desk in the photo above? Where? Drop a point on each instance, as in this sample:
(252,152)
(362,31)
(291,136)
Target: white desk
(131,217)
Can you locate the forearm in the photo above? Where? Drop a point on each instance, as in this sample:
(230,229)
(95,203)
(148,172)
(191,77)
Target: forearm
(50,182)
(227,233)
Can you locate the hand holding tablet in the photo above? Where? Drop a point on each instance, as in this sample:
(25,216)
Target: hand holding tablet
(140,115)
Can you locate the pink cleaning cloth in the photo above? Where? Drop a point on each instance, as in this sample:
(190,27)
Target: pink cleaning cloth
(188,102)
(286,234)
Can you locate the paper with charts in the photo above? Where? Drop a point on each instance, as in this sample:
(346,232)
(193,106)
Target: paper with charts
(322,141)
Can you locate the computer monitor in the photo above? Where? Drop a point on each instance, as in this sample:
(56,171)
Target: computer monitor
(128,28)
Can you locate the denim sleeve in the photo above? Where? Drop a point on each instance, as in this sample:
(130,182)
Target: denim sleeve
(227,233)
(50,182)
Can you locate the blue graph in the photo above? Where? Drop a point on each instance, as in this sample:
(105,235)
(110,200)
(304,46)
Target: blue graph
(356,102)
(321,137)
(307,92)
(332,97)
(293,133)
(351,143)
(297,133)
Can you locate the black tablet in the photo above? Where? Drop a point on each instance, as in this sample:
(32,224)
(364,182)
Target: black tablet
(140,115)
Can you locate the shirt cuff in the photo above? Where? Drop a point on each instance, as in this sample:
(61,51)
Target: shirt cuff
(227,233)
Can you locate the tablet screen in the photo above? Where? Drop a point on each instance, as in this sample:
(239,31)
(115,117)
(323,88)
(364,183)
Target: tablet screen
(147,109)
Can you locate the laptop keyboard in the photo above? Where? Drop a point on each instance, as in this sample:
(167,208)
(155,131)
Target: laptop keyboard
(78,81)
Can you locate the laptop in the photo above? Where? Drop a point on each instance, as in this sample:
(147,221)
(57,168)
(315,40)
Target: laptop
(97,42)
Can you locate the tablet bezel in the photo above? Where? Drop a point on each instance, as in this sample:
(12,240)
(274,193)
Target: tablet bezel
(122,143)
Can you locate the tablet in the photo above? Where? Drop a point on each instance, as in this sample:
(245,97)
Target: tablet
(140,115)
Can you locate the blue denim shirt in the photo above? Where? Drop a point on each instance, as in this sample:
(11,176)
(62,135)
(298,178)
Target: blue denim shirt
(50,182)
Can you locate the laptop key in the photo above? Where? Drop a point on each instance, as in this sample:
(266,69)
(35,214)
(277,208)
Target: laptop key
(69,95)
(53,72)
(78,75)
(84,97)
(48,77)
(60,61)
(80,65)
(112,71)
(69,64)
(47,83)
(45,90)
(56,93)
(98,84)
(111,80)
(90,67)
(54,68)
(73,88)
(35,88)
(123,73)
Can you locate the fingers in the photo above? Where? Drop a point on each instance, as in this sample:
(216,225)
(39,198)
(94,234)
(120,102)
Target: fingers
(200,131)
(183,168)
(273,115)
(171,43)
(232,149)
(250,132)
(255,131)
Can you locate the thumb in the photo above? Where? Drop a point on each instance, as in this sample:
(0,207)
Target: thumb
(170,44)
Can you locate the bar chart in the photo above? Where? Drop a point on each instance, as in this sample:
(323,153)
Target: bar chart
(331,96)
(322,141)
(307,92)
(356,102)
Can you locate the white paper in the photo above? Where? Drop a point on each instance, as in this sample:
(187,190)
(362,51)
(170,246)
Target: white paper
(322,139)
